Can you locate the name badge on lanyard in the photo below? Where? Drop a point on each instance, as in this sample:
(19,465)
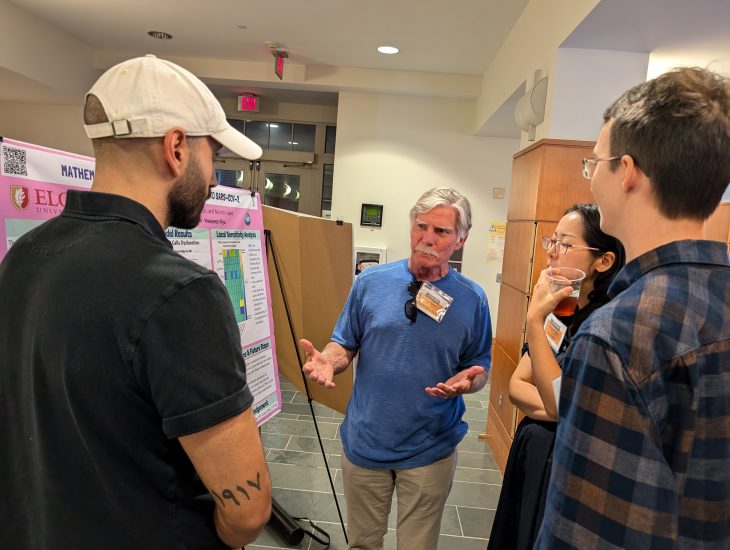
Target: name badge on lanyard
(555,331)
(433,302)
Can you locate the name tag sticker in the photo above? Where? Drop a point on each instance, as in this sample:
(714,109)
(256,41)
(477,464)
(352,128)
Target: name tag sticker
(555,331)
(433,302)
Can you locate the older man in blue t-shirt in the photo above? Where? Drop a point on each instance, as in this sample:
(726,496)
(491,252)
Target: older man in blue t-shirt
(423,334)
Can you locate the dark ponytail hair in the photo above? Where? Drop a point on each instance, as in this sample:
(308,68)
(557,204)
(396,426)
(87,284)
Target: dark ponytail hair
(594,237)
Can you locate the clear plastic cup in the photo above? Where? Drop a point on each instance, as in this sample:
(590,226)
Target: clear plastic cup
(562,277)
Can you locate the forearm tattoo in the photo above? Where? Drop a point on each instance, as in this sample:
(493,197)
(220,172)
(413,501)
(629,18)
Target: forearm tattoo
(234,495)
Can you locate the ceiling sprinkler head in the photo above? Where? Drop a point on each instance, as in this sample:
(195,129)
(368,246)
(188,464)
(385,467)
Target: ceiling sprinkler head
(277,49)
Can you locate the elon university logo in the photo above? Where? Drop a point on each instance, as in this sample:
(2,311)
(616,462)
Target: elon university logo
(19,196)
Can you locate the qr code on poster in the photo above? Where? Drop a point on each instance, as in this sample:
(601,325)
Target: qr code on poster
(14,161)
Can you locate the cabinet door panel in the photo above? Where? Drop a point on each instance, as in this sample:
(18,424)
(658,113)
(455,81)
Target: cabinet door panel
(498,439)
(526,169)
(519,246)
(511,321)
(562,183)
(502,369)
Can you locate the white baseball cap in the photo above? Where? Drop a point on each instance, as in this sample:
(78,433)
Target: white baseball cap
(147,97)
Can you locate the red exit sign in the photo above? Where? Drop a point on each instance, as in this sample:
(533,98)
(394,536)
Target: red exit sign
(249,103)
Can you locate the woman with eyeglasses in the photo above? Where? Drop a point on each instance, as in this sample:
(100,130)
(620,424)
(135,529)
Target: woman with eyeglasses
(578,242)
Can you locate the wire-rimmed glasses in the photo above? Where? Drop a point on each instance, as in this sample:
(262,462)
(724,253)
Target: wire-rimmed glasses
(562,247)
(589,166)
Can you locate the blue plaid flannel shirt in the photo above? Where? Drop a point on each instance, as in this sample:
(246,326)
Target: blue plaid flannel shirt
(642,454)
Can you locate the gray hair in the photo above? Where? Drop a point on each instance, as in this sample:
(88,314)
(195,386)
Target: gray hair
(445,196)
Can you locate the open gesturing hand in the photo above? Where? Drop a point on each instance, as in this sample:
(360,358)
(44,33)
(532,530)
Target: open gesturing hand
(317,368)
(462,382)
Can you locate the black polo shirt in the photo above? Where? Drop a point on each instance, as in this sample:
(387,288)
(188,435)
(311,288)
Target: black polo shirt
(112,346)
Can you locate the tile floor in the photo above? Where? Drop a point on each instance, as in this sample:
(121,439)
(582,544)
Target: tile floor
(301,486)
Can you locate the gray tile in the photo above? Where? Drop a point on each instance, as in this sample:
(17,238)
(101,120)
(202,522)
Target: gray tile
(310,444)
(334,461)
(314,505)
(300,398)
(390,542)
(302,409)
(472,403)
(287,395)
(299,427)
(288,415)
(477,475)
(328,429)
(393,515)
(285,385)
(269,538)
(477,460)
(476,522)
(274,441)
(298,458)
(475,417)
(450,522)
(474,495)
(447,542)
(339,485)
(472,444)
(289,476)
(337,538)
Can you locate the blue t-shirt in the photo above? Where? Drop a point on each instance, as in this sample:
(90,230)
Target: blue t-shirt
(391,421)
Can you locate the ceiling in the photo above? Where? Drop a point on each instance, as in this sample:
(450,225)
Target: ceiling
(675,32)
(433,36)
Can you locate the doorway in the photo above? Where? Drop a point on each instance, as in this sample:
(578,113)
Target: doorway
(290,186)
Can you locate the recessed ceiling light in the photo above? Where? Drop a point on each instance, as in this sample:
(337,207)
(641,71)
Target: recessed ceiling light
(160,35)
(389,50)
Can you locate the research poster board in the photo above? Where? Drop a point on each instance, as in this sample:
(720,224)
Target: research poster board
(229,240)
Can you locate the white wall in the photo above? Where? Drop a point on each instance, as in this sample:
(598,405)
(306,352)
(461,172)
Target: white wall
(57,126)
(390,149)
(531,45)
(585,83)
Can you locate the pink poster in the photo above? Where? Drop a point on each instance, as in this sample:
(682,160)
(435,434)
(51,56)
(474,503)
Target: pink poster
(229,240)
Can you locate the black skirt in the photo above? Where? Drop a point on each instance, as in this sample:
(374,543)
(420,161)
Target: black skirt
(524,488)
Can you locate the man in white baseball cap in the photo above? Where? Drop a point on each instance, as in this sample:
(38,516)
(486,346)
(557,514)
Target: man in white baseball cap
(147,96)
(131,414)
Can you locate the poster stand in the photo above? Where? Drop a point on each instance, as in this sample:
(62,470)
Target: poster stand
(284,527)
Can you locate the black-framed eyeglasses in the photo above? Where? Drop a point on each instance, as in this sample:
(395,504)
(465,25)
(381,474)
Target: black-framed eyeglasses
(589,166)
(562,247)
(410,308)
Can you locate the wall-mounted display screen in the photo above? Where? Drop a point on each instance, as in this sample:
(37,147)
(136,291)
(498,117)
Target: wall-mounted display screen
(371,215)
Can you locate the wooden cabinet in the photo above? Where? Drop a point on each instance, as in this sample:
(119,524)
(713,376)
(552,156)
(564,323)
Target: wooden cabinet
(546,179)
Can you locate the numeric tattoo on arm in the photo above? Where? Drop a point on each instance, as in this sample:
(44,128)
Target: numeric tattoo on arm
(228,494)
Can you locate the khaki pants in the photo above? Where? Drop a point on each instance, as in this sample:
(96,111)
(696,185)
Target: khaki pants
(421,496)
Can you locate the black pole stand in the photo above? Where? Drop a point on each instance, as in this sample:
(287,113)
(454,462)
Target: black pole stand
(277,510)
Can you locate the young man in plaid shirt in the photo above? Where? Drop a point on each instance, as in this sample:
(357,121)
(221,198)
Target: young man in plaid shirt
(642,455)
